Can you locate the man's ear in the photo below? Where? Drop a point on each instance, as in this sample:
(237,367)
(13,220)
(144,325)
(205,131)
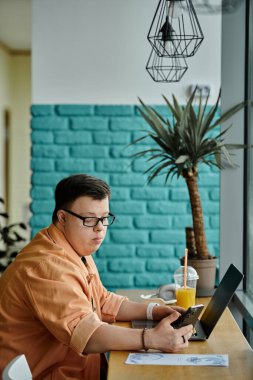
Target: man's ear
(61,217)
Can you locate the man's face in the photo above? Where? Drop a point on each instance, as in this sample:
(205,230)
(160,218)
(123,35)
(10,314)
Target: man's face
(84,240)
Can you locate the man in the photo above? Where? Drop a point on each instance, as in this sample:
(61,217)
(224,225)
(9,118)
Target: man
(53,306)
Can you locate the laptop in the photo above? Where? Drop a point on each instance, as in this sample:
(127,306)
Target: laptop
(218,303)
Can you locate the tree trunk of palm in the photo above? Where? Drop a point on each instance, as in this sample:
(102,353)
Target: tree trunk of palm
(197,214)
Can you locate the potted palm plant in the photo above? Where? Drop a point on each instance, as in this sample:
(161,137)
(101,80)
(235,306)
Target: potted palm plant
(182,145)
(10,237)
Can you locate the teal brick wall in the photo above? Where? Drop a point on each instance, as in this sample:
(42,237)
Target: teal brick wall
(143,247)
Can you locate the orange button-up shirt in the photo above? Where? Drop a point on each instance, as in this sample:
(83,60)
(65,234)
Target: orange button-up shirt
(50,305)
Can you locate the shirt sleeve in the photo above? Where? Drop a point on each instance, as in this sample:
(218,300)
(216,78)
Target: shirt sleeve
(59,299)
(109,302)
(84,330)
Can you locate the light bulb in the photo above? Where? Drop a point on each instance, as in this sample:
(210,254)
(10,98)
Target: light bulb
(175,8)
(169,48)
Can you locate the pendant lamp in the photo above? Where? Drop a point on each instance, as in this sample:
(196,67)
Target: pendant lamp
(175,30)
(166,69)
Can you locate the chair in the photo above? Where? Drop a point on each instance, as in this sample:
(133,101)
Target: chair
(17,369)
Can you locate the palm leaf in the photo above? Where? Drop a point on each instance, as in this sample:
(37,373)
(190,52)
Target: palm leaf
(147,119)
(139,139)
(181,159)
(229,113)
(209,118)
(160,142)
(177,107)
(171,172)
(201,112)
(157,171)
(156,156)
(186,141)
(237,146)
(175,110)
(151,117)
(159,116)
(227,156)
(151,168)
(143,152)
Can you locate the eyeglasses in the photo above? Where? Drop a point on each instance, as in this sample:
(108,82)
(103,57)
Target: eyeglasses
(92,221)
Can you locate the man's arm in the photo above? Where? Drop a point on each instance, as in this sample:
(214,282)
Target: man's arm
(163,337)
(131,310)
(135,310)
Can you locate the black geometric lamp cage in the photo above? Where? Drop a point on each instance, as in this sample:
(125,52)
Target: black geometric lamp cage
(175,30)
(166,69)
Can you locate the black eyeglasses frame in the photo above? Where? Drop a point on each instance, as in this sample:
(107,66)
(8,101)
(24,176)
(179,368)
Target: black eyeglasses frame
(91,217)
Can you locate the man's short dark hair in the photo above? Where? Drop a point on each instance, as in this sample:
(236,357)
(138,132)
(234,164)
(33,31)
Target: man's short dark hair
(78,185)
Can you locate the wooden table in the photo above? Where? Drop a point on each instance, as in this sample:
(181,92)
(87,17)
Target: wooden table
(226,338)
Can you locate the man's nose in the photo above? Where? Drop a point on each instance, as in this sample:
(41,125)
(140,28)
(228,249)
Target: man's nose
(99,226)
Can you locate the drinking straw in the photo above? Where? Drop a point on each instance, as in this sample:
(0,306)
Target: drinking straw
(185,266)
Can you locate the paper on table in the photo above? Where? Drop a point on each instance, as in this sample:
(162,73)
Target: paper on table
(178,359)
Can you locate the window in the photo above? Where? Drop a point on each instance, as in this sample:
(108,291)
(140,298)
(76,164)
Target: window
(249,158)
(237,187)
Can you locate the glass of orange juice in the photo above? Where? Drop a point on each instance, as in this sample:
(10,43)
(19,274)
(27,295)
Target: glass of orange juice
(185,290)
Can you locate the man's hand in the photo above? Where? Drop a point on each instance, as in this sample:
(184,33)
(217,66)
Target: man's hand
(165,338)
(160,312)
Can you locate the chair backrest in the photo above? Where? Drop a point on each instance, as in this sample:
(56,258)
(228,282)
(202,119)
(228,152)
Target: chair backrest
(17,369)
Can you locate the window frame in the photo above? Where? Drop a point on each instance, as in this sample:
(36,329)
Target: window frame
(237,85)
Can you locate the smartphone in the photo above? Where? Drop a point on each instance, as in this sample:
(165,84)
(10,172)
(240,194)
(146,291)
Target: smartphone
(189,317)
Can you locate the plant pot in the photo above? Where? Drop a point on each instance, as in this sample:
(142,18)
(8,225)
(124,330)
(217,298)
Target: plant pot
(206,270)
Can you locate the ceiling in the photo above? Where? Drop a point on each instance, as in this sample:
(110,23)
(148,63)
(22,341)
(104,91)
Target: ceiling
(15,24)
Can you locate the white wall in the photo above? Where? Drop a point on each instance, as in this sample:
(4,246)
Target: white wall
(87,51)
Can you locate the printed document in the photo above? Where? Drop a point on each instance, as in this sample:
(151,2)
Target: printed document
(177,359)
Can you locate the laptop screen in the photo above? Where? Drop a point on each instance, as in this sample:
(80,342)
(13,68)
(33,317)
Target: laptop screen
(221,299)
